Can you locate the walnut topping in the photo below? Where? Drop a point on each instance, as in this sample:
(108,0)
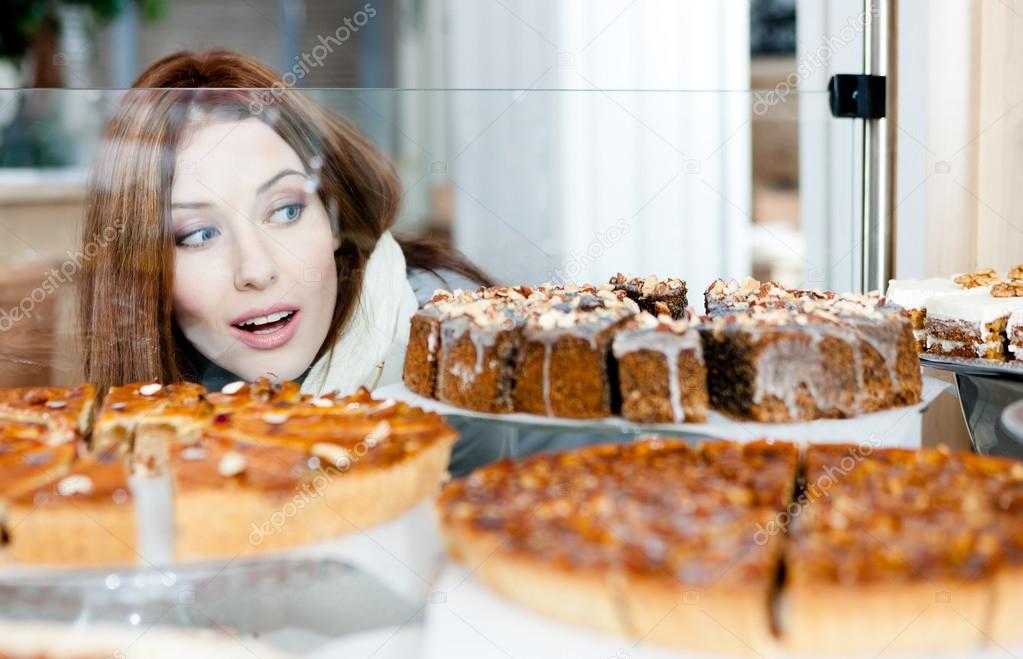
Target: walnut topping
(321,402)
(1016,272)
(56,404)
(1008,289)
(231,464)
(985,277)
(275,418)
(232,388)
(76,484)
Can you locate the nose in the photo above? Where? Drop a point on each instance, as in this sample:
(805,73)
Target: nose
(256,266)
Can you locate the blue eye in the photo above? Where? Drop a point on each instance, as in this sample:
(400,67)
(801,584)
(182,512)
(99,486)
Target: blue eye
(198,237)
(287,214)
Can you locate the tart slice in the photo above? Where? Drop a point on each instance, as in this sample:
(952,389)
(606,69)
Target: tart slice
(66,410)
(653,539)
(145,415)
(903,543)
(85,516)
(331,464)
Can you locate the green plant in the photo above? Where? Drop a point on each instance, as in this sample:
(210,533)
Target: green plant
(24,20)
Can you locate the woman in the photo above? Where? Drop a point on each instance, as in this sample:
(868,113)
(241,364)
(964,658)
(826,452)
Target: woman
(252,238)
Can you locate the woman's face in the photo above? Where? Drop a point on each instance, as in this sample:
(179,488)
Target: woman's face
(254,277)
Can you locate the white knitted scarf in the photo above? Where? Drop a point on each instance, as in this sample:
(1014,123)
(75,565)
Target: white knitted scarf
(371,351)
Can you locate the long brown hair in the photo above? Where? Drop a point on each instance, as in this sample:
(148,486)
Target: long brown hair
(126,303)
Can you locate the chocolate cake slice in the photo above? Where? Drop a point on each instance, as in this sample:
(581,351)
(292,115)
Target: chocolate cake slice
(661,374)
(657,297)
(777,366)
(565,367)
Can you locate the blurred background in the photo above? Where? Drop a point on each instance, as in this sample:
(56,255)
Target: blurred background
(552,141)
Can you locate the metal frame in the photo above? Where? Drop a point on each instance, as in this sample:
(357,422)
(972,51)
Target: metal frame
(877,236)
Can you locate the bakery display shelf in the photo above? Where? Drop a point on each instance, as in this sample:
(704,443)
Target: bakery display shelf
(300,600)
(249,597)
(974,366)
(894,427)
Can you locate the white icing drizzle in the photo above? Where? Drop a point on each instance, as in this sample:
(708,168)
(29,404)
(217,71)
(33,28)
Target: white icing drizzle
(482,339)
(785,365)
(548,348)
(548,337)
(670,345)
(431,341)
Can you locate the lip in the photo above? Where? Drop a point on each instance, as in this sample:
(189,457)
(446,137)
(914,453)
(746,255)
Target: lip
(267,341)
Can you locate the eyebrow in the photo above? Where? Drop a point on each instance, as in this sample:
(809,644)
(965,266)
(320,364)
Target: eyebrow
(261,189)
(278,176)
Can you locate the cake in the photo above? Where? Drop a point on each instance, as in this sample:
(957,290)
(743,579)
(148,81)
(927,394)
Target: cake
(913,295)
(87,514)
(653,295)
(623,537)
(820,360)
(566,367)
(1014,333)
(969,325)
(661,374)
(913,545)
(65,411)
(197,475)
(725,297)
(762,548)
(590,352)
(480,342)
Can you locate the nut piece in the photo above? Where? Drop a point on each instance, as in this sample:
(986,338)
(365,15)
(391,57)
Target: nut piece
(322,402)
(76,484)
(231,464)
(150,389)
(231,388)
(1007,289)
(275,418)
(119,405)
(56,404)
(985,277)
(1016,272)
(336,455)
(379,433)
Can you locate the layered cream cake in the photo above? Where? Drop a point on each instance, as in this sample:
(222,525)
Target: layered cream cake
(913,294)
(969,325)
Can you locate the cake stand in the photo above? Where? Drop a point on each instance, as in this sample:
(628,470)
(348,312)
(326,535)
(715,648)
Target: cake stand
(489,437)
(987,389)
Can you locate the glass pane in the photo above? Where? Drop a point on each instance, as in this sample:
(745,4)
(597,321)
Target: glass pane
(531,185)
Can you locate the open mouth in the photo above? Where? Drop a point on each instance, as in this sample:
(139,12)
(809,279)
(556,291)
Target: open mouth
(267,324)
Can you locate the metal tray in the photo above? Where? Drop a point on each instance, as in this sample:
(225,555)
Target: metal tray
(976,366)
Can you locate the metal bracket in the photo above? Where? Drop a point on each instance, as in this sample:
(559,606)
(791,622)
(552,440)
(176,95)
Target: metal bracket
(857,96)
